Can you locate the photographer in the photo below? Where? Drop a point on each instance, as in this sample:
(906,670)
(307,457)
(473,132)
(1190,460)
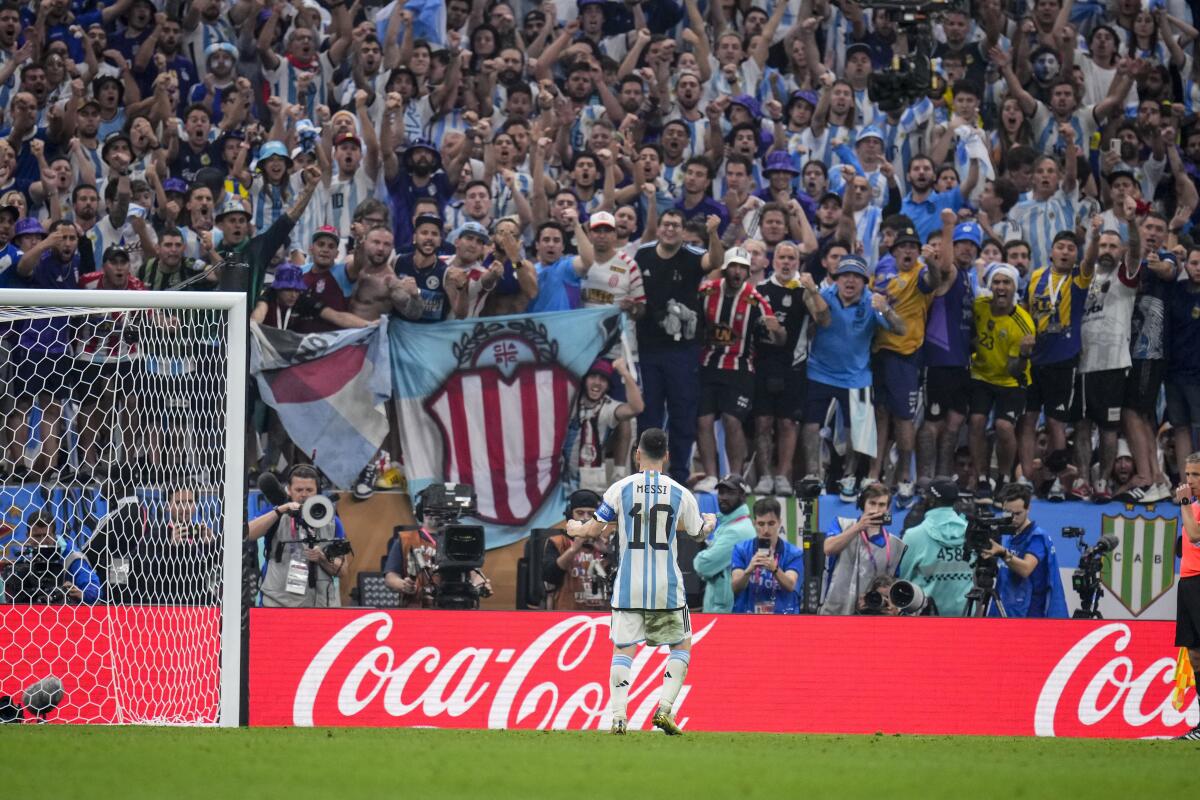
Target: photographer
(180,557)
(935,559)
(1029,582)
(714,563)
(1187,603)
(46,570)
(574,569)
(767,569)
(411,565)
(876,601)
(298,574)
(860,552)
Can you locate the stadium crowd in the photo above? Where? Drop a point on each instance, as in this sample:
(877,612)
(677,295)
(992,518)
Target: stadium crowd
(993,280)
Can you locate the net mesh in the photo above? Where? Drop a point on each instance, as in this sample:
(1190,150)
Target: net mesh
(111,482)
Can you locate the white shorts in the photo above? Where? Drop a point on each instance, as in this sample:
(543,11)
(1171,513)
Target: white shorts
(655,628)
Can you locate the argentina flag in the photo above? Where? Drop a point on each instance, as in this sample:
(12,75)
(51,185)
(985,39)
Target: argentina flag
(487,402)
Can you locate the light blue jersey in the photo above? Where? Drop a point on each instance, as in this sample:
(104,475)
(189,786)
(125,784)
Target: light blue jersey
(648,507)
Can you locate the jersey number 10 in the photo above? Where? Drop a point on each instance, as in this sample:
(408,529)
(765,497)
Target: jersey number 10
(660,519)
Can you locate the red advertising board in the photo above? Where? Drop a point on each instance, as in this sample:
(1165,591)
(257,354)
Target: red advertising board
(799,674)
(117,665)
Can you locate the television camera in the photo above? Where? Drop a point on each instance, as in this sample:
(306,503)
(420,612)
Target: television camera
(910,77)
(450,575)
(985,526)
(1085,580)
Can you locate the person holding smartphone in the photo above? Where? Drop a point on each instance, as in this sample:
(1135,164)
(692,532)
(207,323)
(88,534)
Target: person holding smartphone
(767,568)
(858,551)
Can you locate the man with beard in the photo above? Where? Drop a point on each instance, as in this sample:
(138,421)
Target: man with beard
(714,563)
(674,142)
(596,418)
(377,288)
(733,313)
(257,252)
(437,282)
(922,205)
(697,127)
(560,276)
(1104,359)
(414,174)
(198,230)
(779,375)
(170,267)
(161,52)
(1003,343)
(205,25)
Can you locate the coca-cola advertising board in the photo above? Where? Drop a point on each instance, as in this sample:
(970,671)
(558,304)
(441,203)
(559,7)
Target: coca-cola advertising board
(546,670)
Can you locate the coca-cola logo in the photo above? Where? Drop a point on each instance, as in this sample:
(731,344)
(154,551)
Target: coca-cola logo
(1093,682)
(557,681)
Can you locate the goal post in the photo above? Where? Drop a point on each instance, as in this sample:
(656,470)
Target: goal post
(124,421)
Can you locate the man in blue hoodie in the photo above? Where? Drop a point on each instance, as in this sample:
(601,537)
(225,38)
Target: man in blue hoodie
(935,558)
(713,564)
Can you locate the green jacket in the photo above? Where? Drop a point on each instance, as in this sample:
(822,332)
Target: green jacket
(935,560)
(712,563)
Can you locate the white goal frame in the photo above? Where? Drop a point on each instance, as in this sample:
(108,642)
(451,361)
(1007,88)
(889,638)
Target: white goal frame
(233,499)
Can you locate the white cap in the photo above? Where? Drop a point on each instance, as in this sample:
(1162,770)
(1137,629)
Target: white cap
(601,219)
(737,255)
(1123,450)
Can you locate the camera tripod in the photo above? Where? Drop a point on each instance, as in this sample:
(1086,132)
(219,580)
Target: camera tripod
(1089,602)
(983,593)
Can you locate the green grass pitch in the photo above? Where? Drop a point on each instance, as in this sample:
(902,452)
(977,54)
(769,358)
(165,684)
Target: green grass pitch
(101,763)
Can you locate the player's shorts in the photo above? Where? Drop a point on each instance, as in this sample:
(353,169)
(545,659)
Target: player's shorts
(1187,610)
(1007,401)
(1103,393)
(1142,385)
(100,382)
(897,382)
(726,391)
(778,390)
(946,389)
(655,628)
(1052,391)
(36,372)
(1183,405)
(817,398)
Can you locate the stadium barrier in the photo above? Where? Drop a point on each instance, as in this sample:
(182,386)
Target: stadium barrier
(353,667)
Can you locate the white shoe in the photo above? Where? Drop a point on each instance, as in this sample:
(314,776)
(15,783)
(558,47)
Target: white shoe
(848,488)
(783,487)
(1157,493)
(765,486)
(705,484)
(1056,493)
(904,495)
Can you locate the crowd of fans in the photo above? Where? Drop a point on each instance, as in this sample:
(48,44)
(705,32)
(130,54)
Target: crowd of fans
(994,281)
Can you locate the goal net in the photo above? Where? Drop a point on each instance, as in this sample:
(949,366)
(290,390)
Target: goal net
(121,488)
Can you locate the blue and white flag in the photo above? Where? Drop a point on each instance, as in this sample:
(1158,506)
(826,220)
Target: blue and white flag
(487,402)
(429,20)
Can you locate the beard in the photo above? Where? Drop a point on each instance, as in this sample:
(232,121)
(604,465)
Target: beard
(422,169)
(728,505)
(1106,263)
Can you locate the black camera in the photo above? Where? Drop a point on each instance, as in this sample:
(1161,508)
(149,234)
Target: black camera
(985,526)
(808,489)
(37,577)
(1085,580)
(461,549)
(911,77)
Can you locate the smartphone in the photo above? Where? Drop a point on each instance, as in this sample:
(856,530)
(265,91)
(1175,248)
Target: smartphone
(764,546)
(886,519)
(1114,145)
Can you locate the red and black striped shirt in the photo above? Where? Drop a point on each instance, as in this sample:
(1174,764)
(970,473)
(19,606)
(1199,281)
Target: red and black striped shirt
(730,322)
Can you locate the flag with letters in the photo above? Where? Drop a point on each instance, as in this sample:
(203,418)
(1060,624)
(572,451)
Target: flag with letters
(487,402)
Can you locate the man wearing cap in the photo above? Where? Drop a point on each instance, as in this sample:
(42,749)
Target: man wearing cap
(733,312)
(613,277)
(935,557)
(355,178)
(78,582)
(714,564)
(475,282)
(288,305)
(573,567)
(237,245)
(324,276)
(897,364)
(839,360)
(597,417)
(220,60)
(999,371)
(1056,300)
(417,172)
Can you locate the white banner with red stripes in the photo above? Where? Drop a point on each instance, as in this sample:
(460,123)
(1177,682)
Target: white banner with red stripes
(488,402)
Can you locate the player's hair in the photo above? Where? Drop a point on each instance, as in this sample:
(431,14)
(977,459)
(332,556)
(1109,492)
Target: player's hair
(653,444)
(767,505)
(1016,491)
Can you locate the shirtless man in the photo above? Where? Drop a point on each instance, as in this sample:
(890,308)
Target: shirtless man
(377,289)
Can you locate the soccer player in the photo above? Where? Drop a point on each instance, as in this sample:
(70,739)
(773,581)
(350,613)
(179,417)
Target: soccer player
(648,597)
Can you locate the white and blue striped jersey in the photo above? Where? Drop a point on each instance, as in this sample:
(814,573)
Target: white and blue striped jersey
(195,42)
(648,507)
(1041,220)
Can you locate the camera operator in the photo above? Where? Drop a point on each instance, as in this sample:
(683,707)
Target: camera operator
(65,577)
(714,563)
(860,552)
(767,568)
(1028,582)
(180,557)
(575,569)
(1187,603)
(410,568)
(935,559)
(297,575)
